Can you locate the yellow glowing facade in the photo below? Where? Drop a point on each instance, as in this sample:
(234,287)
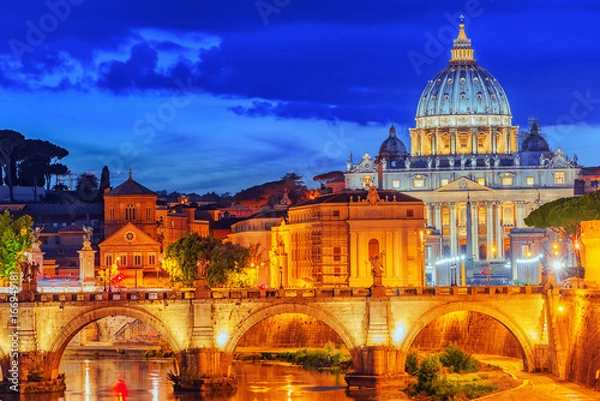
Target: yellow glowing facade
(335,239)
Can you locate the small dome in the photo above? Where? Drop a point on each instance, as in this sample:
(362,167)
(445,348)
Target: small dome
(534,141)
(392,148)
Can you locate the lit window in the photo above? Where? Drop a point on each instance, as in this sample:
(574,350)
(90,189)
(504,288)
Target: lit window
(419,183)
(507,181)
(396,183)
(481,181)
(529,181)
(444,181)
(559,178)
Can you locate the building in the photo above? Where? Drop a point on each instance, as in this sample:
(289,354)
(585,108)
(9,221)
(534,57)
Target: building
(137,232)
(466,164)
(338,239)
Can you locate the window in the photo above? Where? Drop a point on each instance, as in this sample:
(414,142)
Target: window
(109,260)
(367,181)
(481,181)
(419,183)
(396,183)
(130,212)
(122,260)
(151,259)
(148,213)
(337,254)
(410,213)
(529,181)
(559,178)
(111,214)
(336,213)
(445,217)
(444,181)
(482,215)
(137,259)
(507,181)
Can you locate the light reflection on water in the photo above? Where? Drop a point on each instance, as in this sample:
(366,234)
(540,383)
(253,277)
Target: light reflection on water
(96,380)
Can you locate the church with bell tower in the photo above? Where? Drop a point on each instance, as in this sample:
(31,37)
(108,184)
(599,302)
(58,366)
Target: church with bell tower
(477,181)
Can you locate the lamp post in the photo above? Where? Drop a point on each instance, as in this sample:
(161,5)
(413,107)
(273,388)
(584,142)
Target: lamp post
(281,277)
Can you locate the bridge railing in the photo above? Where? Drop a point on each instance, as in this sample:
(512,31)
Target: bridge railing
(188,294)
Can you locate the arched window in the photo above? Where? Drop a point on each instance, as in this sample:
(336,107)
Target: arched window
(507,214)
(482,252)
(130,212)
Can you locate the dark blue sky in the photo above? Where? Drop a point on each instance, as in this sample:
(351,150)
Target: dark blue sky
(221,95)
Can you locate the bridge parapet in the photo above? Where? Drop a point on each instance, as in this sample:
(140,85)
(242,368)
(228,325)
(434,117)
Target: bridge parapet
(340,292)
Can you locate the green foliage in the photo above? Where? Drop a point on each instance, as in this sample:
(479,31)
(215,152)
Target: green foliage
(565,214)
(427,373)
(187,257)
(15,239)
(329,357)
(411,366)
(104,179)
(87,188)
(457,361)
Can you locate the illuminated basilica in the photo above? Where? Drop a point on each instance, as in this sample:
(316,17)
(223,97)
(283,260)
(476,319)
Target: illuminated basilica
(466,164)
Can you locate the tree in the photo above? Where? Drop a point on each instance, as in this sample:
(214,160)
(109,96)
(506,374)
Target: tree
(564,216)
(328,177)
(55,169)
(187,257)
(15,239)
(37,161)
(272,192)
(9,141)
(87,187)
(104,179)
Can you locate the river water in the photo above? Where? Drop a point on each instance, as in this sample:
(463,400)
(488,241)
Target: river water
(95,380)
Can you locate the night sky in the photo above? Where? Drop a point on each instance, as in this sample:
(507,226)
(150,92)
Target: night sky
(203,95)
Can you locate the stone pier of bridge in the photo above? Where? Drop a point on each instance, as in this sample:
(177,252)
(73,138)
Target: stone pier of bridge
(203,330)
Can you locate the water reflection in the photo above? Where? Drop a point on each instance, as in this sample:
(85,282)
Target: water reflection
(128,380)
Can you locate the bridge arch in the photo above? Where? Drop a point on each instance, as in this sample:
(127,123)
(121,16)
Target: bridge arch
(513,327)
(69,330)
(315,312)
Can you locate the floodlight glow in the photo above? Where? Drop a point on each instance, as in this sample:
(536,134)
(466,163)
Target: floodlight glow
(222,338)
(399,333)
(556,265)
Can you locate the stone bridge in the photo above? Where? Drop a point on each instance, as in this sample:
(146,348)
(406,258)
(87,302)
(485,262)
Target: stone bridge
(203,328)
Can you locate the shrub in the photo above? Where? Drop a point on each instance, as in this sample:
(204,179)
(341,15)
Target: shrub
(457,361)
(411,366)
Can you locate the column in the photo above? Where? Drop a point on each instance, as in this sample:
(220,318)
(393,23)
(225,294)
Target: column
(499,232)
(475,231)
(507,131)
(520,205)
(452,141)
(452,229)
(438,217)
(493,139)
(429,208)
(489,228)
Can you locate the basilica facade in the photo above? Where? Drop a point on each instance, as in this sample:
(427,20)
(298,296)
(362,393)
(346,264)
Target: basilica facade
(477,181)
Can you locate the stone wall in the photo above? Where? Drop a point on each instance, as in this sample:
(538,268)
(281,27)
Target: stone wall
(290,331)
(471,332)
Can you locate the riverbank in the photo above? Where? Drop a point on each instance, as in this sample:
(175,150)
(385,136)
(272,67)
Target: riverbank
(105,350)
